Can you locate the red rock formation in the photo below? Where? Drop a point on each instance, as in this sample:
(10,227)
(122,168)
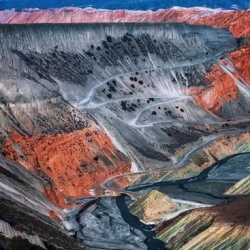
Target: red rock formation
(89,15)
(241,59)
(71,163)
(236,21)
(222,85)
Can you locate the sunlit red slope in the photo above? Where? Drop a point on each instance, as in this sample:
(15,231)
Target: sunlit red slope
(70,163)
(223,86)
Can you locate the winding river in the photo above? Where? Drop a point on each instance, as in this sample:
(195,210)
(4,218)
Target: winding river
(201,177)
(151,241)
(222,169)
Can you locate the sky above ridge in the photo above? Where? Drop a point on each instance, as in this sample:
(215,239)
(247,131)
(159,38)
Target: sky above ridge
(124,4)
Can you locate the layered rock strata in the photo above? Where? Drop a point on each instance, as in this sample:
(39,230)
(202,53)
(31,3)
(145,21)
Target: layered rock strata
(153,206)
(209,228)
(240,188)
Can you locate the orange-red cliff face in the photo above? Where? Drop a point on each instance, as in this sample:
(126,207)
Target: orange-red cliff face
(223,86)
(236,21)
(71,164)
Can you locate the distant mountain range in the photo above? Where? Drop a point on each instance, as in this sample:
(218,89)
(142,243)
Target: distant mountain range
(126,4)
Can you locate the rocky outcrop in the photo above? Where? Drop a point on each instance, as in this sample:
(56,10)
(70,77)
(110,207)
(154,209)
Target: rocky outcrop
(240,188)
(153,206)
(209,228)
(71,163)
